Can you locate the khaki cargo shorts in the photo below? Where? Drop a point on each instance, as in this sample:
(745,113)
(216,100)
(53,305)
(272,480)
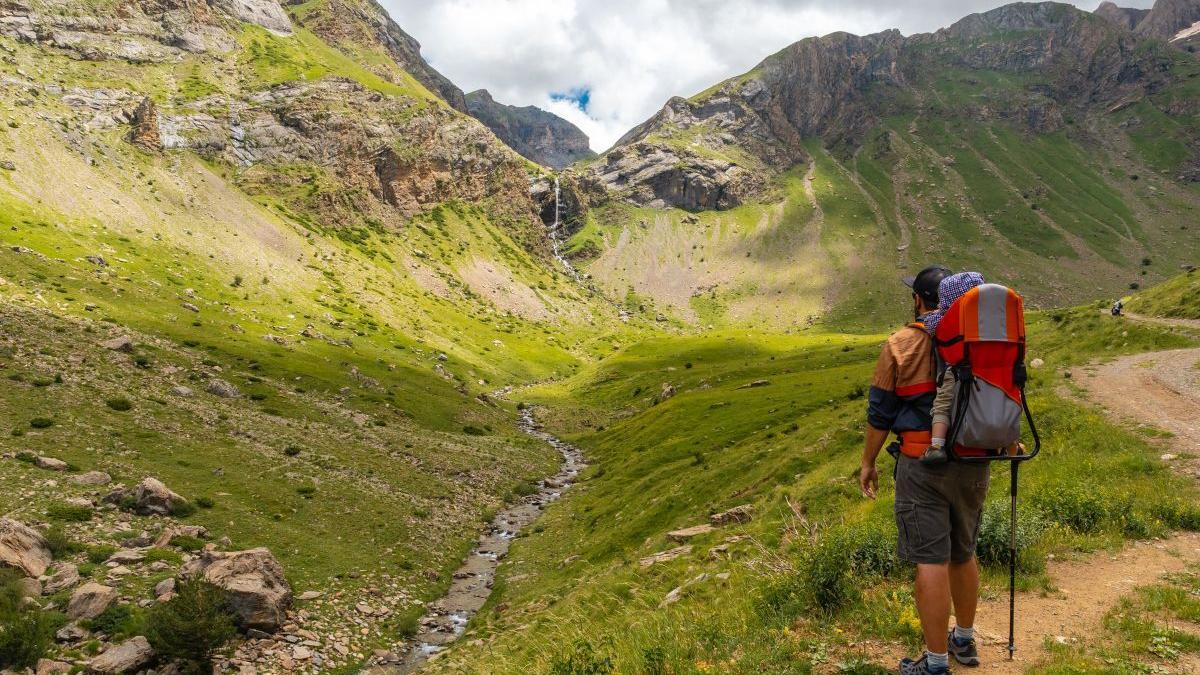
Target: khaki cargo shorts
(939,510)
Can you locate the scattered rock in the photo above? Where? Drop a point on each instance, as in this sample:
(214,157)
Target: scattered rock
(689,532)
(48,667)
(119,344)
(50,464)
(309,595)
(1037,363)
(97,260)
(128,657)
(24,548)
(190,307)
(65,576)
(89,601)
(181,391)
(1168,457)
(718,551)
(91,478)
(163,587)
(71,632)
(153,498)
(127,557)
(672,597)
(738,514)
(219,387)
(665,556)
(756,384)
(259,593)
(668,390)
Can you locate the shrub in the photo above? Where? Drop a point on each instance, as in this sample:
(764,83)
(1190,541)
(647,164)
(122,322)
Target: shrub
(829,572)
(120,404)
(68,513)
(187,543)
(994,534)
(193,624)
(163,554)
(26,456)
(1080,507)
(205,502)
(474,431)
(291,450)
(25,635)
(59,543)
(182,509)
(581,659)
(101,552)
(118,622)
(41,423)
(307,491)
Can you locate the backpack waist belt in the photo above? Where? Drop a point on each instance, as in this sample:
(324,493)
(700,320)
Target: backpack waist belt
(914,443)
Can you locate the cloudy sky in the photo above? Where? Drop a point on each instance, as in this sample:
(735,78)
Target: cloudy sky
(607,65)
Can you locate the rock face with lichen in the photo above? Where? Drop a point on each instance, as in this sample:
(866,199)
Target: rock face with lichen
(145,133)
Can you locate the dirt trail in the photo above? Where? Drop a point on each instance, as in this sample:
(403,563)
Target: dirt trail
(1161,389)
(1163,321)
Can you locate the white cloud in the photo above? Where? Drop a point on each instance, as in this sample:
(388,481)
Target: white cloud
(632,55)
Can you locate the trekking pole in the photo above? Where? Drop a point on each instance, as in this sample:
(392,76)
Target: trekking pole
(1012,566)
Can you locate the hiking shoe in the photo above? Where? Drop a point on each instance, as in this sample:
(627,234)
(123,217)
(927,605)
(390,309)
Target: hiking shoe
(963,651)
(934,456)
(920,667)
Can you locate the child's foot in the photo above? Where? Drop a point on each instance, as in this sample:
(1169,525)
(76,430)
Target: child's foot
(934,455)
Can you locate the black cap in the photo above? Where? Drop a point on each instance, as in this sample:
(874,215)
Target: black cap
(926,283)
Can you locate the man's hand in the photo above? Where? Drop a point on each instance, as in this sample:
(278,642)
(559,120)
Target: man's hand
(868,480)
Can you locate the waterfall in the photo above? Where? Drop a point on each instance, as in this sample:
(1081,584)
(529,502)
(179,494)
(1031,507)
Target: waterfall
(556,233)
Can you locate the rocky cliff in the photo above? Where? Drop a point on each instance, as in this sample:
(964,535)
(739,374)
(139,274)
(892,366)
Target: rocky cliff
(1168,18)
(537,135)
(721,148)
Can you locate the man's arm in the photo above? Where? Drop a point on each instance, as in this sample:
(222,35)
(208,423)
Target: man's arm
(868,475)
(883,405)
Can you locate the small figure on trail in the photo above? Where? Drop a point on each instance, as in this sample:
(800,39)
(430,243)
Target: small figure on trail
(1118,307)
(938,507)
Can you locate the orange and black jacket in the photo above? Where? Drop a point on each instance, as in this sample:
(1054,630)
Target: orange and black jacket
(904,386)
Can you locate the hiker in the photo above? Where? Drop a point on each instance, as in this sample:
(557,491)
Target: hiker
(938,507)
(1118,307)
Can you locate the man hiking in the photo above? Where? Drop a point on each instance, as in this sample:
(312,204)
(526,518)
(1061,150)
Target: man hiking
(938,506)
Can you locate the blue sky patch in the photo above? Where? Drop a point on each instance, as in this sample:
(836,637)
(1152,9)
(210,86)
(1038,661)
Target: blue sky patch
(580,98)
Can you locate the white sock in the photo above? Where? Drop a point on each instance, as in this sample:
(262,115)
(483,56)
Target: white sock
(941,661)
(963,634)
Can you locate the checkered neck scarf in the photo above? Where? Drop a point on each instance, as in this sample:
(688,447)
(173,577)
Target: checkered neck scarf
(950,290)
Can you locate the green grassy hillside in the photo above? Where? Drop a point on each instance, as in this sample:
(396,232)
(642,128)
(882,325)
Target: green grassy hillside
(811,581)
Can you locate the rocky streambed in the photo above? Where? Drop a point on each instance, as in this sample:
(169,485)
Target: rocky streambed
(472,583)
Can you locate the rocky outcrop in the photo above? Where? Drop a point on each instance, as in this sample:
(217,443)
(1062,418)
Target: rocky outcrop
(366,22)
(265,13)
(152,497)
(23,548)
(65,576)
(221,388)
(258,591)
(89,601)
(535,134)
(145,132)
(717,150)
(128,657)
(1125,17)
(1168,18)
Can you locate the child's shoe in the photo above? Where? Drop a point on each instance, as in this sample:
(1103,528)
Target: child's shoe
(934,456)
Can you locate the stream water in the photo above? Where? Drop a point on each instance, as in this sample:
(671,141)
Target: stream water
(556,233)
(472,584)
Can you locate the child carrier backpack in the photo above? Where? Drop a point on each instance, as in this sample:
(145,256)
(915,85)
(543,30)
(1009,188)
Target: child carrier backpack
(982,338)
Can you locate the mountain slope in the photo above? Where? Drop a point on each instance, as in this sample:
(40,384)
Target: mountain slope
(1042,144)
(537,135)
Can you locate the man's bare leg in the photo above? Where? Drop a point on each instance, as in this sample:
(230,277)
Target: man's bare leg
(933,604)
(964,589)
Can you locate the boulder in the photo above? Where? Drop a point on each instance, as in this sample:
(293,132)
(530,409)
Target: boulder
(181,391)
(128,657)
(738,514)
(258,591)
(221,388)
(50,464)
(119,344)
(152,497)
(665,556)
(92,478)
(71,632)
(48,667)
(23,548)
(89,601)
(65,576)
(689,532)
(164,587)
